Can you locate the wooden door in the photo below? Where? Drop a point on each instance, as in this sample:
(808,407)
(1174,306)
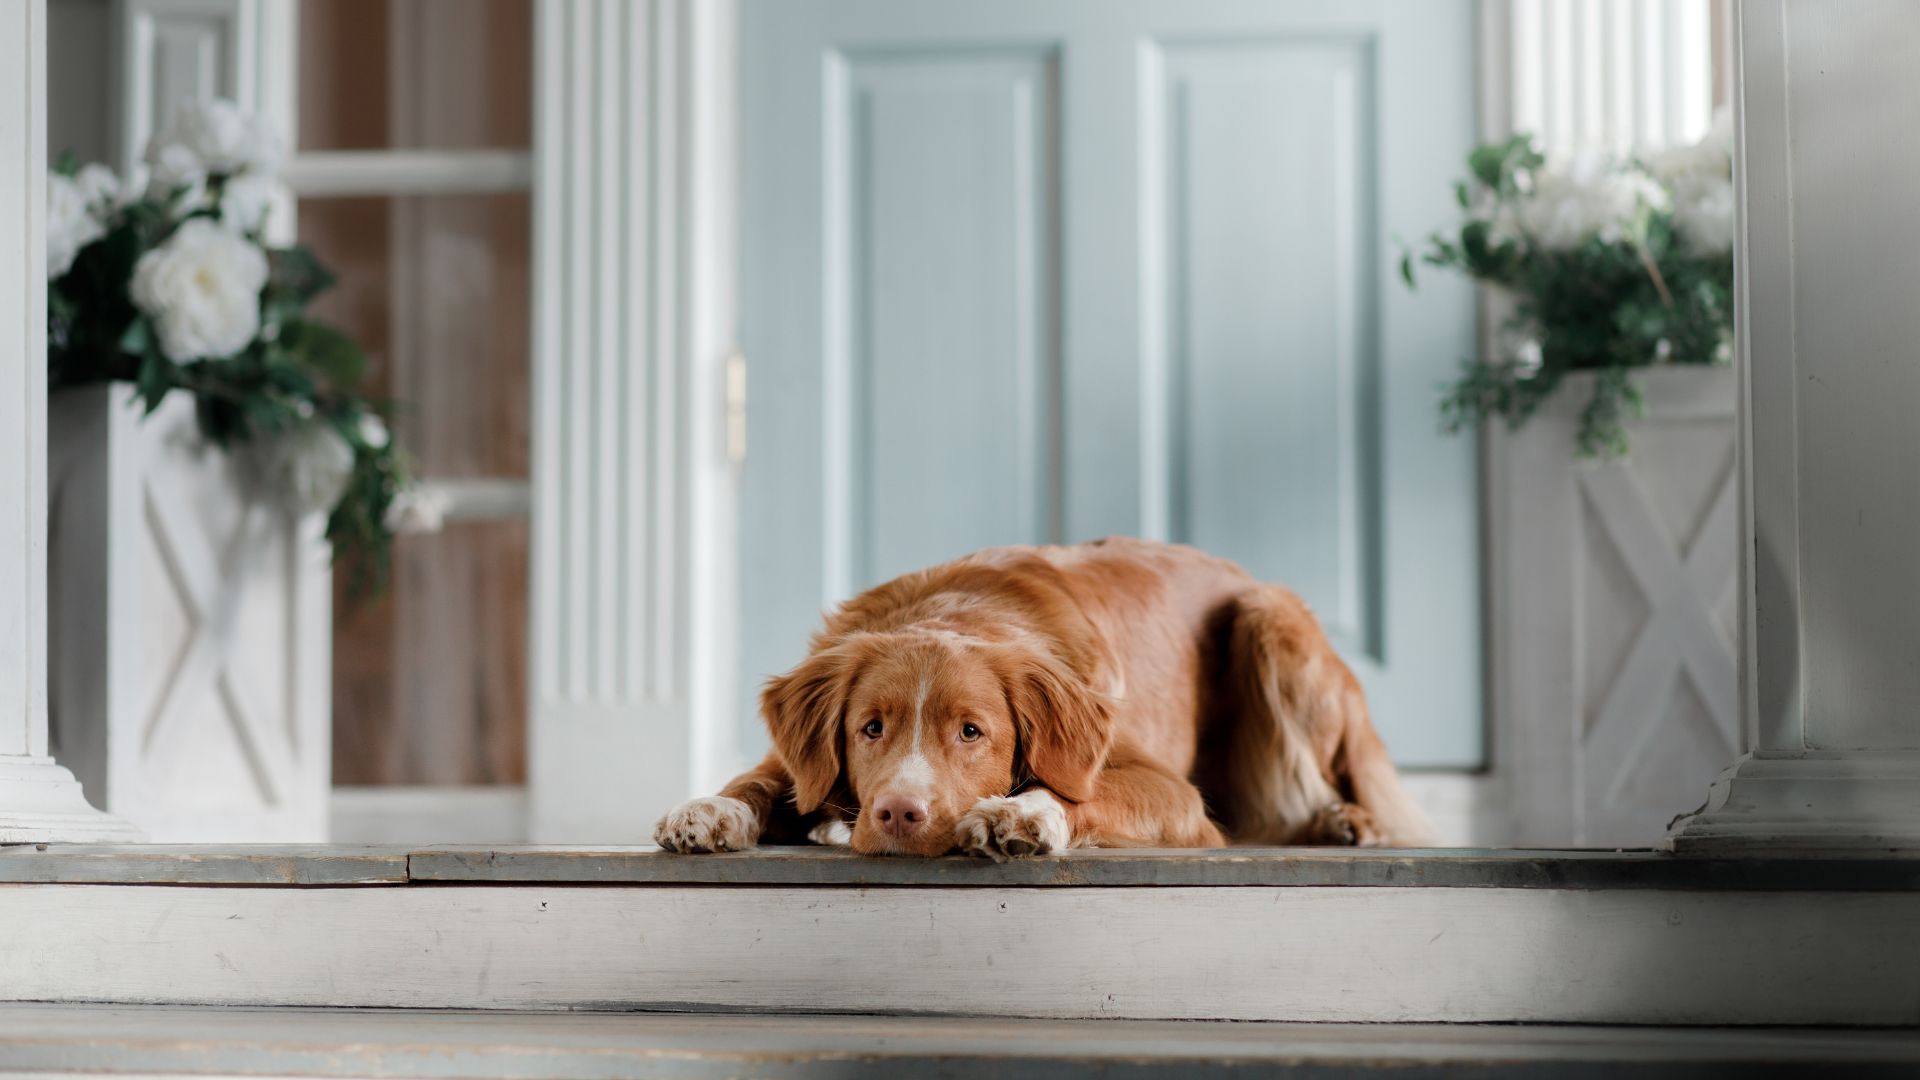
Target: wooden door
(1024,272)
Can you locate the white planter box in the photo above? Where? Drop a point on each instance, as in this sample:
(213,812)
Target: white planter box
(1613,613)
(189,630)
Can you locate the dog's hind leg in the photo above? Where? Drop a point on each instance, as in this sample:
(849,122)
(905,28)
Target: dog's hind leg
(1301,763)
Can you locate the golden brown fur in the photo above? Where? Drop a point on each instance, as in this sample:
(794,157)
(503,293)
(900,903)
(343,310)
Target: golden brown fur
(1021,700)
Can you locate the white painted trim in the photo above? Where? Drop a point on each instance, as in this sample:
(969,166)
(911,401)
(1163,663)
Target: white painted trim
(1640,956)
(429,815)
(1771,801)
(716,371)
(408,172)
(480,499)
(1831,761)
(248,54)
(1625,76)
(1468,809)
(39,800)
(633,550)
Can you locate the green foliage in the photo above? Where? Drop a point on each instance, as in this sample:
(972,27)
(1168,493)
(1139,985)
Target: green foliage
(297,371)
(357,527)
(1606,304)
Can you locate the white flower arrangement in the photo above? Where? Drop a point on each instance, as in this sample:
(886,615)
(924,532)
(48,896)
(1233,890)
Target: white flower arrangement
(1612,262)
(213,138)
(1700,177)
(1564,204)
(169,282)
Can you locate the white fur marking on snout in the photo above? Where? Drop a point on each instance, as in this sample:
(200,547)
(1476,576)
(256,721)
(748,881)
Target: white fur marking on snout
(914,774)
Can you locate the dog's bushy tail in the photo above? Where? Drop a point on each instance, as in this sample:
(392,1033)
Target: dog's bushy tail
(1302,753)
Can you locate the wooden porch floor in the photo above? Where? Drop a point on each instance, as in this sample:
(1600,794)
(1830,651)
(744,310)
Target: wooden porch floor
(323,864)
(1270,935)
(202,1041)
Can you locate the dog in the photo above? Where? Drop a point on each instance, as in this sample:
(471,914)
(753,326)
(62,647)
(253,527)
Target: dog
(1027,700)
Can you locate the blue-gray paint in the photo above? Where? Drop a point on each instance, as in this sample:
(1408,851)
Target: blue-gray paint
(1021,272)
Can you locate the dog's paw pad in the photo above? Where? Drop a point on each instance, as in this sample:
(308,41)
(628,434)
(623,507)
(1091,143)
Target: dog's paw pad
(714,823)
(1002,828)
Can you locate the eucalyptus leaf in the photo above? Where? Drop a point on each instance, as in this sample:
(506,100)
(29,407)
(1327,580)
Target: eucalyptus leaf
(138,338)
(296,275)
(327,351)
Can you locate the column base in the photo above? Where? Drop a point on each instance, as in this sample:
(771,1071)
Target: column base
(41,803)
(1807,802)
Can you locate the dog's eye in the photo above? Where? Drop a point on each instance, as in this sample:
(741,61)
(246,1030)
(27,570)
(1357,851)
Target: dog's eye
(969,732)
(874,728)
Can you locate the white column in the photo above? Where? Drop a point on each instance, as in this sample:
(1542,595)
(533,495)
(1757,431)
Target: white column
(633,549)
(39,800)
(1830,343)
(1612,74)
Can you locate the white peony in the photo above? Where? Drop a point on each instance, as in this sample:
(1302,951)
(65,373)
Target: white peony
(1703,217)
(1570,202)
(418,510)
(307,468)
(212,138)
(245,201)
(202,290)
(70,224)
(1700,177)
(102,188)
(171,169)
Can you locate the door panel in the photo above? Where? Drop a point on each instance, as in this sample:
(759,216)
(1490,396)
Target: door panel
(945,219)
(1027,271)
(1269,318)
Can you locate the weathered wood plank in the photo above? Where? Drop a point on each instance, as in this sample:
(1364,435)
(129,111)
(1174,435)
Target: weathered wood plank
(1308,954)
(337,1043)
(236,864)
(1278,867)
(805,866)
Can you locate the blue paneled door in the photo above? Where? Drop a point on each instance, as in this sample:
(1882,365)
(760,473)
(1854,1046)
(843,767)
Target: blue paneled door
(1023,271)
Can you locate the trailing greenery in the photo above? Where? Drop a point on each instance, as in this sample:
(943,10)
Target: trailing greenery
(1602,278)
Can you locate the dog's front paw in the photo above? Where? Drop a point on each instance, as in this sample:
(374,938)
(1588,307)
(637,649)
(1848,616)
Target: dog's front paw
(1033,823)
(715,823)
(1344,825)
(831,833)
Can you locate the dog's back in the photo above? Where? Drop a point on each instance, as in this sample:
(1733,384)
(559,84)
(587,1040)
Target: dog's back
(1233,684)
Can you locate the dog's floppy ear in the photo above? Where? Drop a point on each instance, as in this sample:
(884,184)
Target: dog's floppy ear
(1065,728)
(804,711)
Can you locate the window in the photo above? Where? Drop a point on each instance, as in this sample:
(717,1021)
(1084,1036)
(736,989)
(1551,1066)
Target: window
(412,169)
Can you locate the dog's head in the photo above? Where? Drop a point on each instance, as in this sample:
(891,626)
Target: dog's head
(915,727)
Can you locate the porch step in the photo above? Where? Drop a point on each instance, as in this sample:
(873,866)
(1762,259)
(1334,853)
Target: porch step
(1250,935)
(204,1041)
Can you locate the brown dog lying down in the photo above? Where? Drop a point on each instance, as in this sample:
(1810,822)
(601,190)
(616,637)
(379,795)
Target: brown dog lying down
(1025,700)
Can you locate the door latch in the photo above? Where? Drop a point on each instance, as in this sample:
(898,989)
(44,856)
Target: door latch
(736,408)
